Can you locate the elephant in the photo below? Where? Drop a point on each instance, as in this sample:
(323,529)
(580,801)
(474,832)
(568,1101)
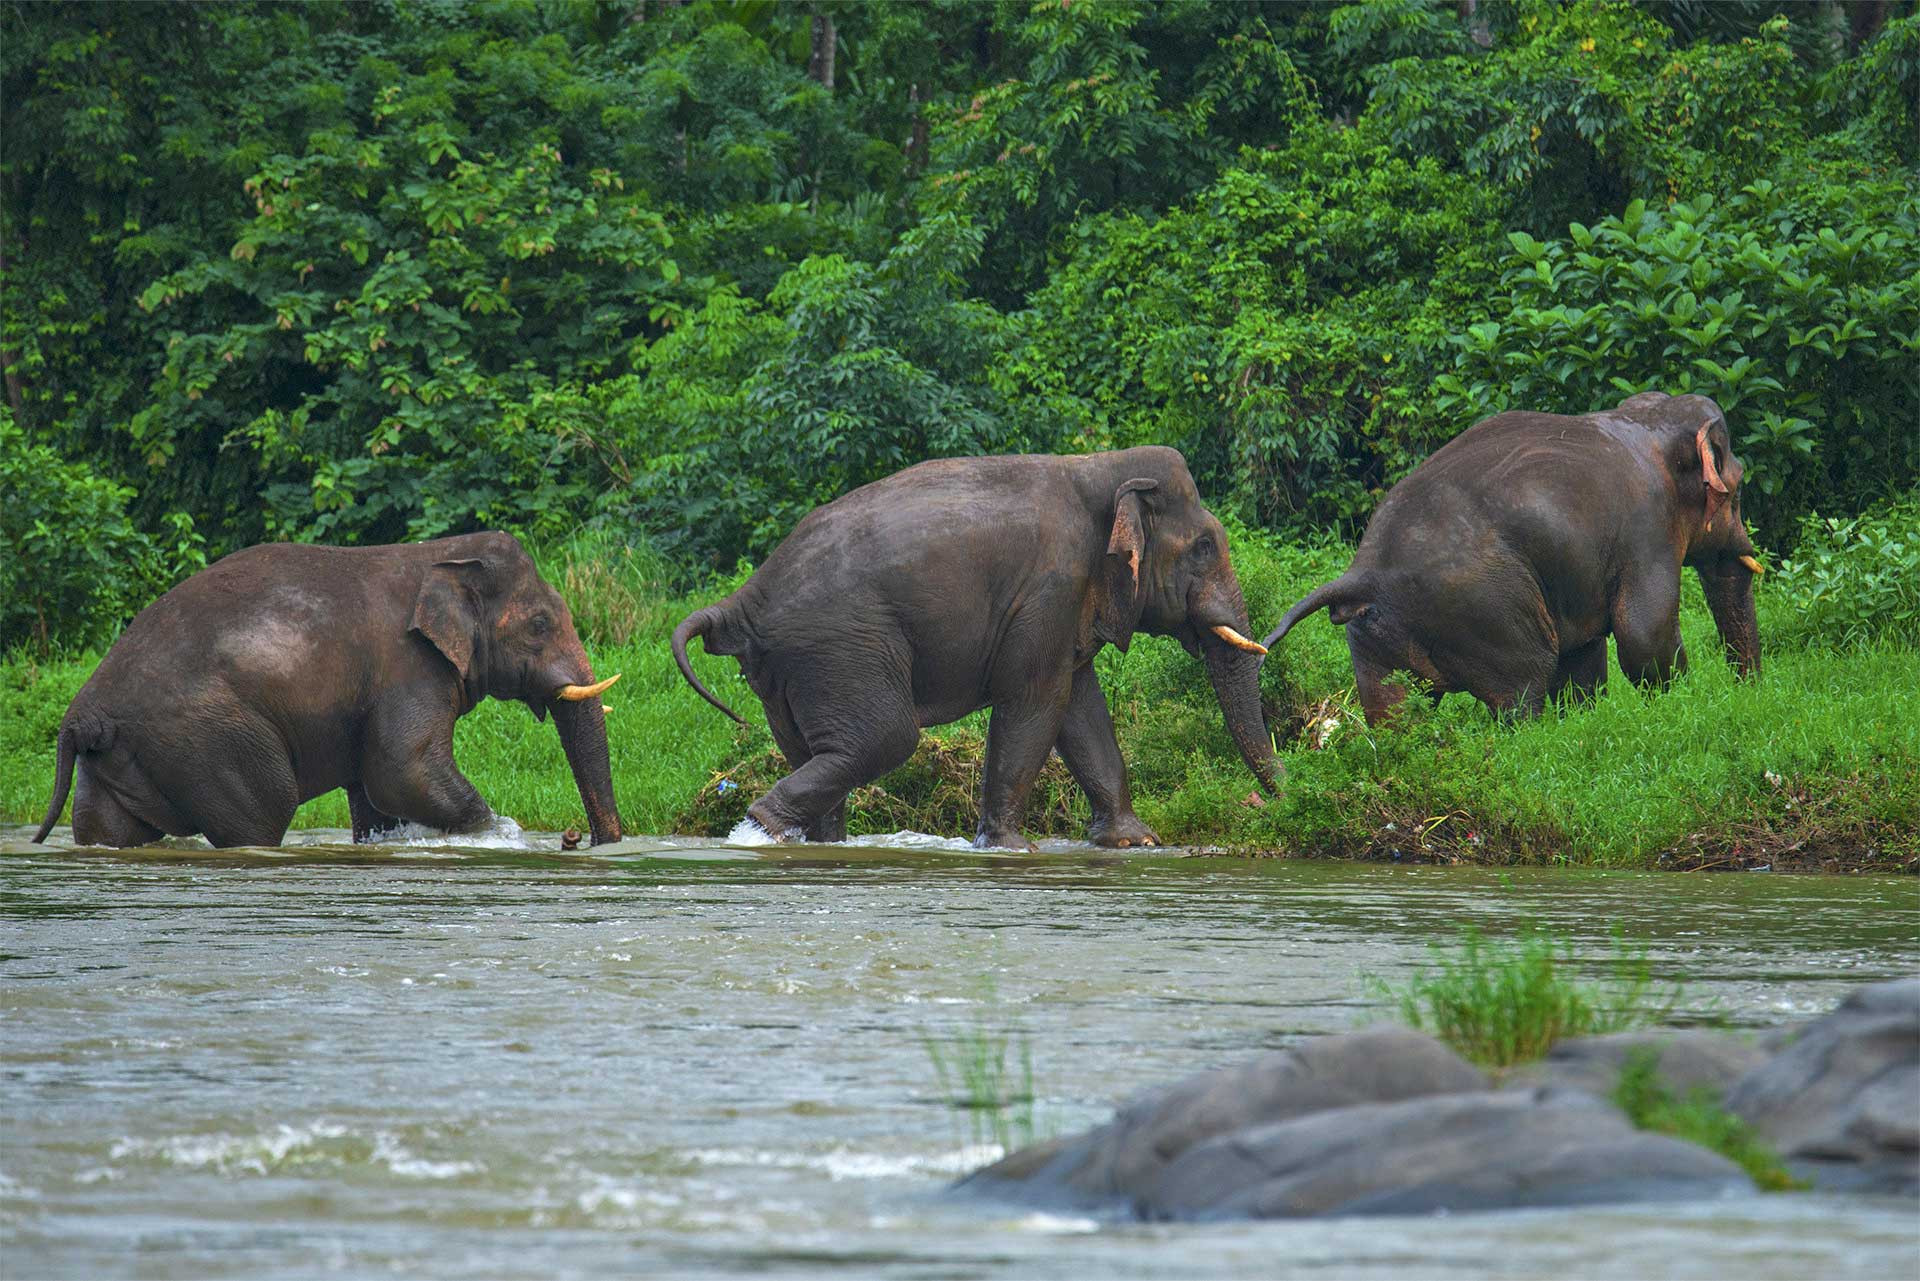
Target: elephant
(283,671)
(965,583)
(1501,564)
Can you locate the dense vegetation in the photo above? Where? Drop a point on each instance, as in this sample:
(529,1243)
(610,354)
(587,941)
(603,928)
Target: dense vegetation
(645,281)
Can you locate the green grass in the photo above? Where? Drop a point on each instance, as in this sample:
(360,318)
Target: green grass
(1816,764)
(1505,1002)
(1698,1118)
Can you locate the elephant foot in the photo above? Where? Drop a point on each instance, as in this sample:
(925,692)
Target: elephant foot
(1004,840)
(755,830)
(1121,832)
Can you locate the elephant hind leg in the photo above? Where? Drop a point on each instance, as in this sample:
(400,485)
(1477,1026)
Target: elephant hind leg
(1582,671)
(830,828)
(100,818)
(854,729)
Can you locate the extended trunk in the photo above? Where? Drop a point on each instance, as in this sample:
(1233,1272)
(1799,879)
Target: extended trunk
(1236,683)
(583,734)
(1730,597)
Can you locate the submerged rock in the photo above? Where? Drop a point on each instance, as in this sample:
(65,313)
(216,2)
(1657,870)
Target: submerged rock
(1842,1100)
(1386,1121)
(1685,1060)
(1390,1121)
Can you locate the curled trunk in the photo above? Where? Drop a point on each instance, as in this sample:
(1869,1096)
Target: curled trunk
(583,734)
(1729,592)
(1235,675)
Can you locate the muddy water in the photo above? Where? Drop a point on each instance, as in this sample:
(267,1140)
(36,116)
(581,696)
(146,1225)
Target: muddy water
(668,1058)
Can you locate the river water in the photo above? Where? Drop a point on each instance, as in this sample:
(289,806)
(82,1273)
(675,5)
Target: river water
(669,1057)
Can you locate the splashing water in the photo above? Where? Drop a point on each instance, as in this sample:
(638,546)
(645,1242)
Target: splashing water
(501,834)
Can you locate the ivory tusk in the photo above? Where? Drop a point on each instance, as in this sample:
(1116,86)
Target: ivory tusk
(1753,564)
(1238,641)
(579,693)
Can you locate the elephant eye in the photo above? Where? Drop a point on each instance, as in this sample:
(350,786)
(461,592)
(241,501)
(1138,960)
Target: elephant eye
(540,625)
(1202,548)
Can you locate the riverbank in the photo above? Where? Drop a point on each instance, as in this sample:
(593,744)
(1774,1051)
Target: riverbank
(1816,766)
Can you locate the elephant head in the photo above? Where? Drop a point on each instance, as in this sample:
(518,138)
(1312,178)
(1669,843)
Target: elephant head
(1706,480)
(510,636)
(1167,574)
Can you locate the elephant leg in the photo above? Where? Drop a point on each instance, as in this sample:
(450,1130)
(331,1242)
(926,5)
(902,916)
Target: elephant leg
(368,819)
(1378,695)
(1582,671)
(100,819)
(830,828)
(856,725)
(1092,754)
(1646,628)
(1019,737)
(408,771)
(239,790)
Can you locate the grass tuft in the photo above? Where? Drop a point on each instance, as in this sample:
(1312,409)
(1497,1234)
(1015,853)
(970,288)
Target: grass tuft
(1502,1003)
(1698,1118)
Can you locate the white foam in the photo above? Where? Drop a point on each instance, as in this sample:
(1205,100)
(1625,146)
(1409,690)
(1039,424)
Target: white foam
(846,1163)
(749,832)
(501,834)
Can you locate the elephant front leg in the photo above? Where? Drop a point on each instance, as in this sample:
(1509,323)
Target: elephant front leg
(407,770)
(367,817)
(1092,754)
(1019,736)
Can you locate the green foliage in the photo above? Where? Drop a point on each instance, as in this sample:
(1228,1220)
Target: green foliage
(1851,583)
(1698,1118)
(72,563)
(1501,1003)
(1808,337)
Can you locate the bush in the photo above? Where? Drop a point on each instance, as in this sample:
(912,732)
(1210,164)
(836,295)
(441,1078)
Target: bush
(74,566)
(1806,334)
(1850,582)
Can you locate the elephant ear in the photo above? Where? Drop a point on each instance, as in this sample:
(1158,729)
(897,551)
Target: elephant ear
(1119,612)
(447,611)
(1716,488)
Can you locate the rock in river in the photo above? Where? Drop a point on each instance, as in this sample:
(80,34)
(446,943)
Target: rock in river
(1386,1121)
(1842,1100)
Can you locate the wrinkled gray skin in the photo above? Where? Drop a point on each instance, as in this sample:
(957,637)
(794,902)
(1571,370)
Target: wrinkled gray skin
(1500,566)
(981,582)
(284,671)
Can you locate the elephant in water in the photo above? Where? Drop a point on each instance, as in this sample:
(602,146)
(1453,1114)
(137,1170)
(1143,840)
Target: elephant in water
(981,582)
(284,671)
(1503,562)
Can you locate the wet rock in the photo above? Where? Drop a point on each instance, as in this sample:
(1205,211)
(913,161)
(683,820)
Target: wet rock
(1127,1155)
(1842,1101)
(1454,1152)
(1685,1060)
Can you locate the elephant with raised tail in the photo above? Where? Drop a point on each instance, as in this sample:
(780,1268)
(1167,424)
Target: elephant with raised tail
(1503,562)
(286,670)
(982,582)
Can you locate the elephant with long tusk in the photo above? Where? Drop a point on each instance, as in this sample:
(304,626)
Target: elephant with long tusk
(285,671)
(1500,566)
(982,582)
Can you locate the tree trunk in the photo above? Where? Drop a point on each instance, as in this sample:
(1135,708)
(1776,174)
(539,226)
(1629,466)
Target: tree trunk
(820,65)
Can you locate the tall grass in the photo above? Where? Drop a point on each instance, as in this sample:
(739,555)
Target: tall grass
(1698,1118)
(1505,1002)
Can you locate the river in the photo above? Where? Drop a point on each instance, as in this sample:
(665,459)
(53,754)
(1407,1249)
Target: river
(668,1057)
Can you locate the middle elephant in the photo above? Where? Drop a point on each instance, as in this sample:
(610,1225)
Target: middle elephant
(982,582)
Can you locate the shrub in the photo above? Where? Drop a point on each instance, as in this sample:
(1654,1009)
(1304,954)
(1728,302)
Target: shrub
(1698,1118)
(1850,582)
(74,565)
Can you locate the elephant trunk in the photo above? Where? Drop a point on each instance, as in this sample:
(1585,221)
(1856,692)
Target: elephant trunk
(1729,591)
(1235,674)
(582,725)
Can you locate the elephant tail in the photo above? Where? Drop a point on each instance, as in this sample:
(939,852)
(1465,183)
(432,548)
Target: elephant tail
(62,781)
(1347,596)
(696,624)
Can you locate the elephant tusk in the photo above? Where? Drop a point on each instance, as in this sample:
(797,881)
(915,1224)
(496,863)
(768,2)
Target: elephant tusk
(579,693)
(1753,564)
(1238,641)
